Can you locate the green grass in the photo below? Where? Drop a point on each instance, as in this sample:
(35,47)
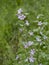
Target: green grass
(10,37)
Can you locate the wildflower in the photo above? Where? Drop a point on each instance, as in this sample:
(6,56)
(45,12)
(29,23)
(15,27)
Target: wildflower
(17,57)
(31,59)
(20,11)
(30,43)
(31,33)
(27,23)
(21,17)
(41,33)
(25,46)
(40,23)
(44,37)
(32,51)
(38,39)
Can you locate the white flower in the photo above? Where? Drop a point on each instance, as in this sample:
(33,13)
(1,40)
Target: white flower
(21,17)
(40,23)
(27,23)
(41,33)
(30,43)
(31,33)
(31,59)
(20,11)
(32,51)
(44,37)
(38,39)
(17,57)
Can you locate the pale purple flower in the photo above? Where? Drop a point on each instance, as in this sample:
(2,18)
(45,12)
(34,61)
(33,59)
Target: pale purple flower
(25,46)
(21,17)
(38,39)
(30,43)
(32,51)
(27,23)
(20,11)
(31,59)
(40,23)
(44,37)
(31,33)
